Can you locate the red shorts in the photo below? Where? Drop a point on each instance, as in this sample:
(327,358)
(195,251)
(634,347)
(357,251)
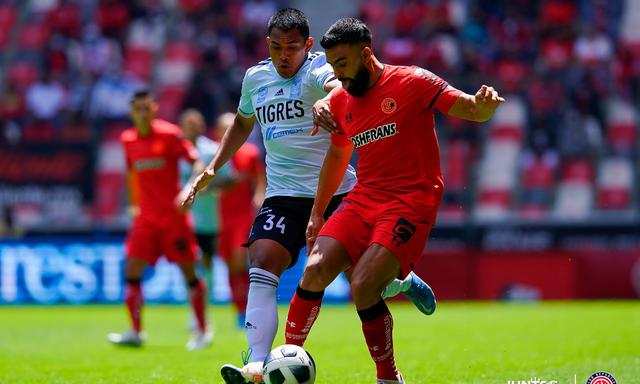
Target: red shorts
(148,241)
(232,236)
(360,222)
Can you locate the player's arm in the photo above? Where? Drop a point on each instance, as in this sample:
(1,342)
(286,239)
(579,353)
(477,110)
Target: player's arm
(332,172)
(235,136)
(479,107)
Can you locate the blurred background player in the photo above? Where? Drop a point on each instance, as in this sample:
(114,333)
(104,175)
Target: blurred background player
(153,149)
(238,205)
(205,212)
(279,93)
(380,231)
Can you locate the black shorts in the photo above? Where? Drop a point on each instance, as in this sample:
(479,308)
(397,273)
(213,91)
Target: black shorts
(284,219)
(207,243)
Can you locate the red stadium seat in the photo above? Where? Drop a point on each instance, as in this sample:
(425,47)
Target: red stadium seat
(112,17)
(22,74)
(65,19)
(614,199)
(578,171)
(615,183)
(8,16)
(456,165)
(511,74)
(538,175)
(191,7)
(170,101)
(33,37)
(622,137)
(139,62)
(181,50)
(498,197)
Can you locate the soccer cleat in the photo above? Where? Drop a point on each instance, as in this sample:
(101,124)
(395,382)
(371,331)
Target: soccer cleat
(250,373)
(200,340)
(421,294)
(399,380)
(129,338)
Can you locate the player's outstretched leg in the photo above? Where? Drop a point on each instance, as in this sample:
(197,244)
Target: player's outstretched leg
(327,260)
(416,290)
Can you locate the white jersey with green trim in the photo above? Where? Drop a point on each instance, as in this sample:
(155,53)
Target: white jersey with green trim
(282,108)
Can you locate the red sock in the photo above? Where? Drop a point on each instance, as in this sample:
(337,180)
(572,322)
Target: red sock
(133,300)
(303,312)
(377,326)
(239,284)
(198,293)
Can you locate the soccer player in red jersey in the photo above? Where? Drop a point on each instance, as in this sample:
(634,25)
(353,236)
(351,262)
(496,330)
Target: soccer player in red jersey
(238,207)
(152,149)
(387,113)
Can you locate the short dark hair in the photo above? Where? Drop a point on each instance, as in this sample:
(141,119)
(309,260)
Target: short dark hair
(141,94)
(346,31)
(288,19)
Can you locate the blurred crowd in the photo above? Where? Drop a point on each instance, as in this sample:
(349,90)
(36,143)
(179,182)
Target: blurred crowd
(69,67)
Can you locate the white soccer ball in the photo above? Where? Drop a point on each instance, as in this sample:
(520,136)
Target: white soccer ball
(289,364)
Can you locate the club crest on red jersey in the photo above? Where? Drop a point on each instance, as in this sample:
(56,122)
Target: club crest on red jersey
(389,105)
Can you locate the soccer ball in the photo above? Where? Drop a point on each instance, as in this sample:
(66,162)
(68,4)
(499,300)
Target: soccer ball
(289,364)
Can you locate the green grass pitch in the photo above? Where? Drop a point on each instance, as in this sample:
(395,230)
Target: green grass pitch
(461,343)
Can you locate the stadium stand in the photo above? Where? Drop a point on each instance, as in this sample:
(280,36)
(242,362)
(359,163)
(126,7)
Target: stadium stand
(563,147)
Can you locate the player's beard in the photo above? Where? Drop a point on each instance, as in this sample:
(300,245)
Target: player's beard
(360,84)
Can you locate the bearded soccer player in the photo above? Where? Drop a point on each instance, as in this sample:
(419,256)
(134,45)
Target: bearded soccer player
(387,113)
(279,94)
(161,227)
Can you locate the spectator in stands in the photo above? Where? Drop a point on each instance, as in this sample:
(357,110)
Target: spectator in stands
(111,94)
(46,99)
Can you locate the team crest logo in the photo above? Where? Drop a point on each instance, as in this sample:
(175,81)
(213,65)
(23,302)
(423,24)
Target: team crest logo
(262,95)
(388,105)
(601,378)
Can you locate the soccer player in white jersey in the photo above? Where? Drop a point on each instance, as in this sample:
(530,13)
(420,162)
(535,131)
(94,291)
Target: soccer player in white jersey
(279,94)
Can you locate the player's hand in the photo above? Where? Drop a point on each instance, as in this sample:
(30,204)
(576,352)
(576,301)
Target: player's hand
(323,118)
(316,222)
(488,98)
(198,184)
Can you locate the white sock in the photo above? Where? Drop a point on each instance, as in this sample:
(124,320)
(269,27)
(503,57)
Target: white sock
(396,287)
(262,312)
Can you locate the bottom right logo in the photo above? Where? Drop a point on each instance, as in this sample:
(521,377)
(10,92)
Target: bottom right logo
(601,378)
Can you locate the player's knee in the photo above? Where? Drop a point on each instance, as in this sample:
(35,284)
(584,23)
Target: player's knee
(318,274)
(365,289)
(274,262)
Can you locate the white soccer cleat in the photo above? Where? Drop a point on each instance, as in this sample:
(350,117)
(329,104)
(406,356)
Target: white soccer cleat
(399,380)
(129,338)
(200,340)
(250,373)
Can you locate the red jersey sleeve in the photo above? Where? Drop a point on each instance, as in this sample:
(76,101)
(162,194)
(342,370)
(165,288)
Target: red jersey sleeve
(340,140)
(183,148)
(434,91)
